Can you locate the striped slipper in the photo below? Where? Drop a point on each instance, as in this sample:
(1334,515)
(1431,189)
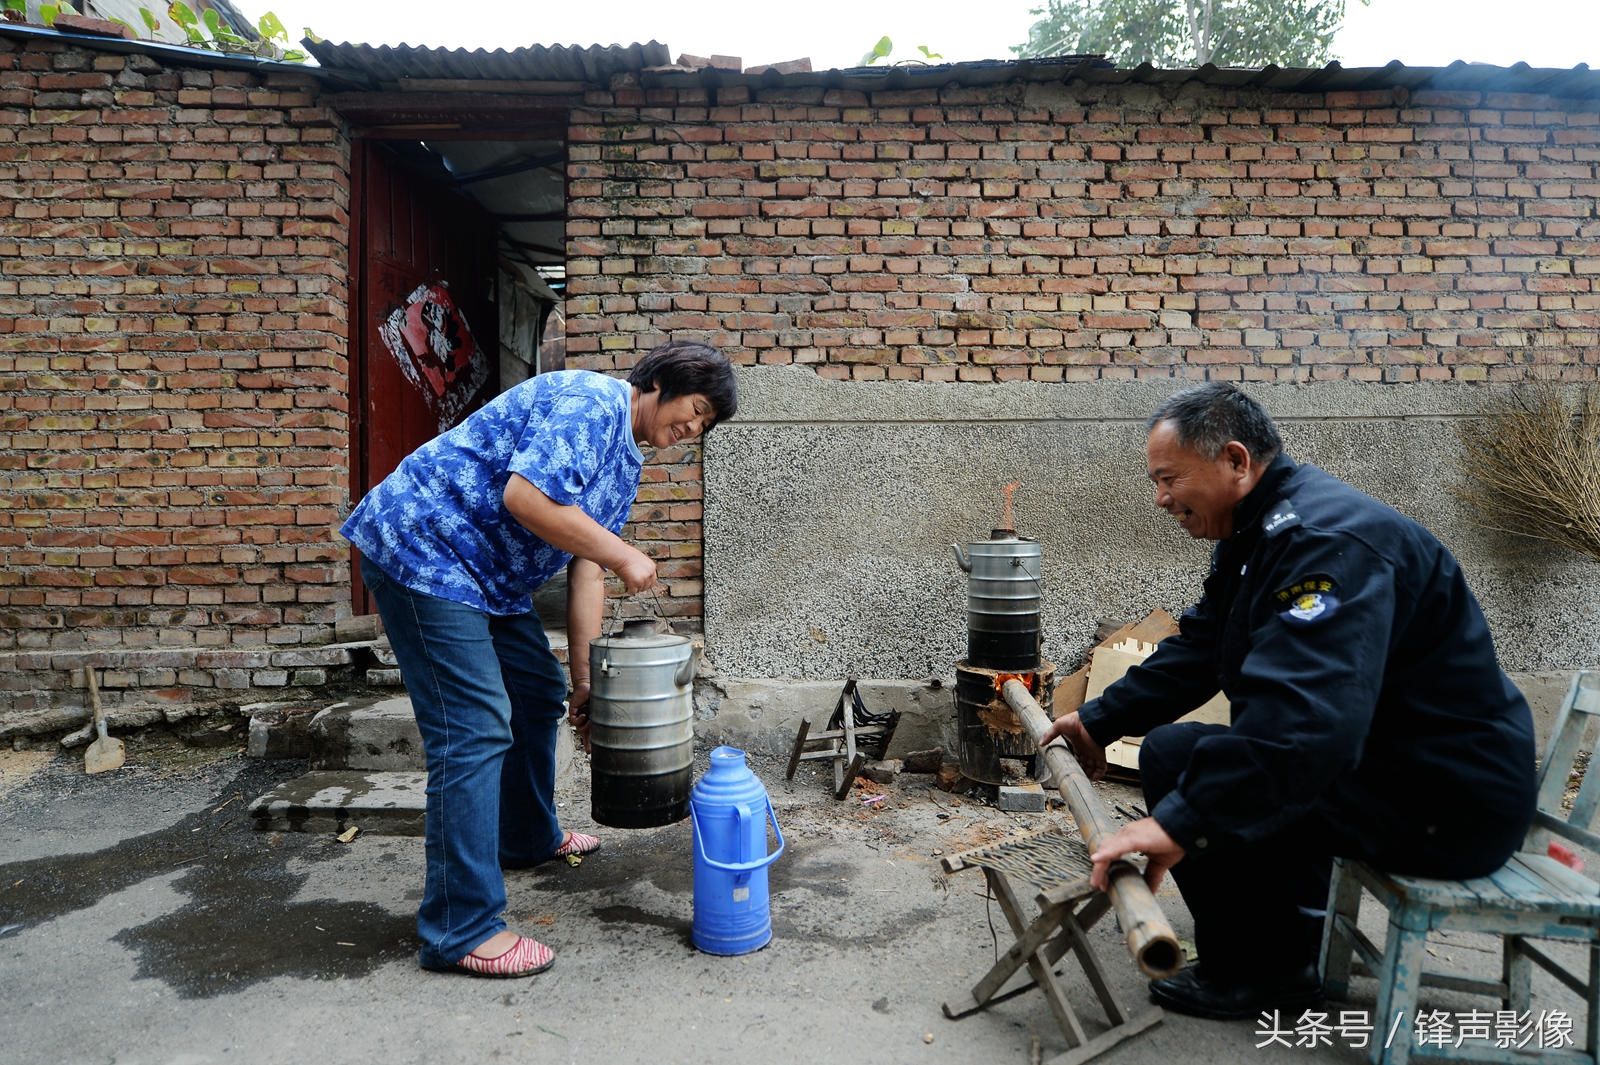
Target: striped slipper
(579,843)
(525,958)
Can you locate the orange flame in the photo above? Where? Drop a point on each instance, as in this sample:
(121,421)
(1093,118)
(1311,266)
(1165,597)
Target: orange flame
(1005,513)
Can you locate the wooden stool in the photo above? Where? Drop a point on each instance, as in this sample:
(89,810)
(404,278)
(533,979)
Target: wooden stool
(1059,865)
(851,739)
(1531,897)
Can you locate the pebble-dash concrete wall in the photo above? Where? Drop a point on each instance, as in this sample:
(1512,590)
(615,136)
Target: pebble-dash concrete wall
(831,507)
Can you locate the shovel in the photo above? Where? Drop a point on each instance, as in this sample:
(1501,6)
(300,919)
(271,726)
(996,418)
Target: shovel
(105,753)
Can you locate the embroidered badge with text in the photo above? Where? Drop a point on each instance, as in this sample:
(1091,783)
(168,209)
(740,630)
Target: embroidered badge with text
(1308,600)
(1284,517)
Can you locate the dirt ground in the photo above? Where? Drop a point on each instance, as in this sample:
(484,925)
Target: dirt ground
(142,920)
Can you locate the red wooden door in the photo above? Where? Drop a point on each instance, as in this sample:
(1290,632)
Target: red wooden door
(424,323)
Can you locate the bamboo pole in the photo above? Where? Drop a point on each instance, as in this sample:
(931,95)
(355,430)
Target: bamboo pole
(1150,938)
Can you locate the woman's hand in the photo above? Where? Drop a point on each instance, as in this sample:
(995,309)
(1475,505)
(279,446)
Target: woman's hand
(1090,754)
(636,569)
(578,712)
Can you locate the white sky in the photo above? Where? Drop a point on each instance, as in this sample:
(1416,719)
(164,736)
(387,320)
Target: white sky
(835,33)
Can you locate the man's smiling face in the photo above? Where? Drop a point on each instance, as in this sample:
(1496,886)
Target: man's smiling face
(1200,492)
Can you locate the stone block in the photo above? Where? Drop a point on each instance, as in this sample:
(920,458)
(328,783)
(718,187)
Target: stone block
(1025,798)
(883,772)
(231,678)
(279,733)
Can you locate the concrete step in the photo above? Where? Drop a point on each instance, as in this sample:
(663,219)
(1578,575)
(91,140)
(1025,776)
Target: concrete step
(367,734)
(333,800)
(367,770)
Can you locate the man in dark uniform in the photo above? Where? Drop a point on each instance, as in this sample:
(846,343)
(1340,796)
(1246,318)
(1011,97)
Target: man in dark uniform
(1370,717)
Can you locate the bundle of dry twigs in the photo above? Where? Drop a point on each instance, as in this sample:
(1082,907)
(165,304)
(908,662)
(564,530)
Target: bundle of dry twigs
(1533,464)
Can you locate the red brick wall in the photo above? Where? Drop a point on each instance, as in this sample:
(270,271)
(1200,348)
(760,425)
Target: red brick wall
(173,380)
(1080,233)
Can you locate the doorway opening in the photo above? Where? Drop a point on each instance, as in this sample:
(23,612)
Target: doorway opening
(458,272)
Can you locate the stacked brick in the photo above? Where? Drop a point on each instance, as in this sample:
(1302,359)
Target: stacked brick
(1079,233)
(173,375)
(1075,233)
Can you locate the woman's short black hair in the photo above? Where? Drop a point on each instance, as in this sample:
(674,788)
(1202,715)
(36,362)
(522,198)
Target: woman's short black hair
(684,367)
(1207,416)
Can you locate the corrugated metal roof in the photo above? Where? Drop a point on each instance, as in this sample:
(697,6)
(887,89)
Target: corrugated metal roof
(375,65)
(1578,81)
(385,63)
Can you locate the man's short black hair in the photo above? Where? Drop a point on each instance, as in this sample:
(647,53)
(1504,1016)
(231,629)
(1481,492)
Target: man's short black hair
(684,367)
(1207,416)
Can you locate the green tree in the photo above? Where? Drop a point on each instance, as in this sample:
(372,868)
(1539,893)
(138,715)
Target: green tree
(1185,33)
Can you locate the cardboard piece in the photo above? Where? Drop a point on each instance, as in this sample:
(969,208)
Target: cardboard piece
(1108,661)
(1108,666)
(1154,627)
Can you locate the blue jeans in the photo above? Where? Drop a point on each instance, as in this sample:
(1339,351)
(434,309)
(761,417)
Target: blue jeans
(487,692)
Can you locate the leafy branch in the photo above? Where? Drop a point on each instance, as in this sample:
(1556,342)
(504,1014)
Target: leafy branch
(207,30)
(17,11)
(885,46)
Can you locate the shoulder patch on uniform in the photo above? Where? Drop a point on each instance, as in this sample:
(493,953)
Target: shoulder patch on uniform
(1281,517)
(1312,598)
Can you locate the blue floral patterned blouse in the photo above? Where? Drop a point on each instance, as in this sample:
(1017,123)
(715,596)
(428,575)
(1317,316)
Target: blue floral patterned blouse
(438,523)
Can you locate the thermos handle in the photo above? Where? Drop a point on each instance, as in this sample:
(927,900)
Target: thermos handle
(685,672)
(961,559)
(736,867)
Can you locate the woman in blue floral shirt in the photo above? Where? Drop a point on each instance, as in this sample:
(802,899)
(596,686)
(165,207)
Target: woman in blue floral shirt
(453,544)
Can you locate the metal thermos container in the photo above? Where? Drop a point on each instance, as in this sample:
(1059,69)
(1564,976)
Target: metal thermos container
(1003,598)
(641,726)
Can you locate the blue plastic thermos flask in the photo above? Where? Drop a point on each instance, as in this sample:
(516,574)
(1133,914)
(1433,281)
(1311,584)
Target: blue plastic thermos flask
(729,809)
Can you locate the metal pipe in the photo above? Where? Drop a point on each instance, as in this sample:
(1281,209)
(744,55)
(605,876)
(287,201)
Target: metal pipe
(1150,938)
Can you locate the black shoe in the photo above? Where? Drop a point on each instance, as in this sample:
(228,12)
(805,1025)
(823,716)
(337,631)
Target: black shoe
(1195,993)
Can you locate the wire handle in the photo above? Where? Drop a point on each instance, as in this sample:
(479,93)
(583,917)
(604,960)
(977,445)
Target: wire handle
(617,622)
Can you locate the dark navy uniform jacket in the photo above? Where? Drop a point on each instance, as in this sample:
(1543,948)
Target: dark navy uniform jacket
(1362,678)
